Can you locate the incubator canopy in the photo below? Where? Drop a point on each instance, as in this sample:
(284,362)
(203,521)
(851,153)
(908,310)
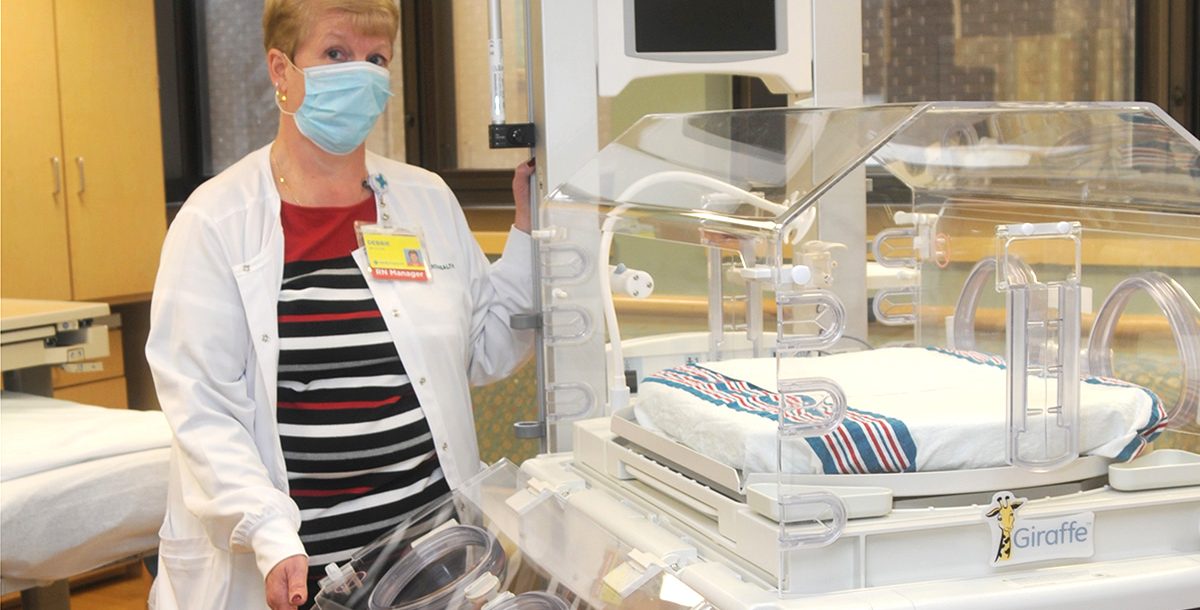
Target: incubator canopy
(1050,205)
(1120,155)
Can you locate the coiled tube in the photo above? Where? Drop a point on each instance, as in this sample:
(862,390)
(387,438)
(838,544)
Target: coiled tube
(434,573)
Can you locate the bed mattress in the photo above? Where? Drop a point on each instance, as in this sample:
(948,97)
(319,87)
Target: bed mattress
(909,410)
(80,486)
(69,520)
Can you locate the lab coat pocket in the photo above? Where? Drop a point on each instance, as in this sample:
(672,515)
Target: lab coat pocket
(195,574)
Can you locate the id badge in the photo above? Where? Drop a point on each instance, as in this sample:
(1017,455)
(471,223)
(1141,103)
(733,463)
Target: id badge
(393,253)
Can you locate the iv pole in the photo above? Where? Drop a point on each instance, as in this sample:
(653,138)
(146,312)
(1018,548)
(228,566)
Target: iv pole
(502,134)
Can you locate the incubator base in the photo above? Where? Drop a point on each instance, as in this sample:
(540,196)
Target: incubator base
(919,552)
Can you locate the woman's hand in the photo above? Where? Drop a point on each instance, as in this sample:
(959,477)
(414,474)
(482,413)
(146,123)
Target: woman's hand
(520,189)
(287,583)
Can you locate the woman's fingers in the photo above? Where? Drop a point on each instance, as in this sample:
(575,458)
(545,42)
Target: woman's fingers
(287,583)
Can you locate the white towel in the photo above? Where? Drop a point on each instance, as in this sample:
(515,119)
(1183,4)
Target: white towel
(912,409)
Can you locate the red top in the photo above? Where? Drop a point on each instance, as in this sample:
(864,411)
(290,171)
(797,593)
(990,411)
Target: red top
(322,232)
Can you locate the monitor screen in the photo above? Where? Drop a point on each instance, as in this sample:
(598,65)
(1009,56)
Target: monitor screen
(704,26)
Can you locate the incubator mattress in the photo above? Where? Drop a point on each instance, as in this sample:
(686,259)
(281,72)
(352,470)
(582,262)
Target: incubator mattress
(81,486)
(910,409)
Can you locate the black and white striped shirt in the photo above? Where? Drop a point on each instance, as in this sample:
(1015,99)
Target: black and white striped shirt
(360,457)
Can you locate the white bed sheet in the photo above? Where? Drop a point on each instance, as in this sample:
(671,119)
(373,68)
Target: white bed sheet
(80,486)
(69,520)
(952,407)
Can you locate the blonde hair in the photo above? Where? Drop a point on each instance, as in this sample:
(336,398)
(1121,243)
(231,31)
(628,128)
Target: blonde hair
(287,22)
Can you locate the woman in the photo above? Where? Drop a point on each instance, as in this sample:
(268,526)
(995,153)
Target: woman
(318,391)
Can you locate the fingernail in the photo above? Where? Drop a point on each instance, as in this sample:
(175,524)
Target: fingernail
(297,599)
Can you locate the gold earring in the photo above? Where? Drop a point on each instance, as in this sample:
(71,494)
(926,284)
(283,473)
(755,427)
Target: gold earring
(281,97)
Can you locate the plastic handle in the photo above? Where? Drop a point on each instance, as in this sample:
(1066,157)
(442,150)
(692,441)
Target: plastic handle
(880,246)
(569,401)
(821,507)
(565,265)
(890,298)
(828,333)
(794,413)
(567,325)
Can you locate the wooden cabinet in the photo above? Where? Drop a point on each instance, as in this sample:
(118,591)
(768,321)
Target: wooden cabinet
(104,387)
(81,176)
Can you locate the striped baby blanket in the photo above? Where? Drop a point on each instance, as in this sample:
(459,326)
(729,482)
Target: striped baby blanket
(909,409)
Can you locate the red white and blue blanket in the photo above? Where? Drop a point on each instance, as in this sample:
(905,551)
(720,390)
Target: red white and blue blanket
(909,409)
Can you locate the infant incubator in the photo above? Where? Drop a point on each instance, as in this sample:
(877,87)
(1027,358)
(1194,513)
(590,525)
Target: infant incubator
(988,398)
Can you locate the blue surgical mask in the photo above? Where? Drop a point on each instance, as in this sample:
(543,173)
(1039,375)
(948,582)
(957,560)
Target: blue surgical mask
(341,103)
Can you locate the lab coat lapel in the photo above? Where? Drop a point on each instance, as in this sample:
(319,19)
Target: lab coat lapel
(391,297)
(258,282)
(387,293)
(259,288)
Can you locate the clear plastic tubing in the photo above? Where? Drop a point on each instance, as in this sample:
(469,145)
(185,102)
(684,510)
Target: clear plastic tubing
(968,299)
(1184,318)
(438,548)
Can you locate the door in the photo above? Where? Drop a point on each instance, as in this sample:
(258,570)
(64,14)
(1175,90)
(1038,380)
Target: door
(112,145)
(33,192)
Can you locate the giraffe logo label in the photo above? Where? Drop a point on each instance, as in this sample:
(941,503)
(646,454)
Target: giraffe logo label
(1019,539)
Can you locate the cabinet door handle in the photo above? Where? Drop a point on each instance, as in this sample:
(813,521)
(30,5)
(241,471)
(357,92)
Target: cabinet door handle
(56,167)
(82,181)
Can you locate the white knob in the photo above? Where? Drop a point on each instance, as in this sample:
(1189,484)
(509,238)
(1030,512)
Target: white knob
(633,282)
(801,275)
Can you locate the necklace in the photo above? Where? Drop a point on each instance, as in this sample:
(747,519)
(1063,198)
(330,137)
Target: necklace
(283,185)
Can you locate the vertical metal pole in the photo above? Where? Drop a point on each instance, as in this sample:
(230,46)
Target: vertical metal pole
(536,192)
(496,60)
(842,212)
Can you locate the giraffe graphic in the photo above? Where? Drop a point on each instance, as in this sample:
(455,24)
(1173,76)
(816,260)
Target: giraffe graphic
(1004,510)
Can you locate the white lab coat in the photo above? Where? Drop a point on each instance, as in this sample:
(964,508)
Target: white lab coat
(213,349)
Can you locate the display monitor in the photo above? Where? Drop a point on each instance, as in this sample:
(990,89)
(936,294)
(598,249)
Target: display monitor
(705,30)
(768,39)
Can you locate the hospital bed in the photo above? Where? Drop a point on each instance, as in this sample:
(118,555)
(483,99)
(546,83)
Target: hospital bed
(81,487)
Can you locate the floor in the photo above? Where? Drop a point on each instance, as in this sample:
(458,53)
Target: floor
(126,592)
(129,593)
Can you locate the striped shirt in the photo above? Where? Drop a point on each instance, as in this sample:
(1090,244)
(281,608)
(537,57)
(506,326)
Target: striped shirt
(359,454)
